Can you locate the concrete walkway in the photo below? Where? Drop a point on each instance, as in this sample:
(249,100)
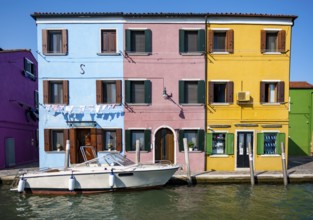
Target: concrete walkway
(300,169)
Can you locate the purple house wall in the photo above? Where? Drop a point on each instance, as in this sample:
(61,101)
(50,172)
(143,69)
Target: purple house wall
(18,121)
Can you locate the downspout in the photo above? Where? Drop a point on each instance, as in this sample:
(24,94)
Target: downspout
(206,89)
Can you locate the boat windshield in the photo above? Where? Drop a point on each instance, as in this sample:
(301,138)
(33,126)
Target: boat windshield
(115,159)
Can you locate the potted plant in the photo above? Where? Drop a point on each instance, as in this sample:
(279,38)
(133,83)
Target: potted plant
(110,146)
(191,146)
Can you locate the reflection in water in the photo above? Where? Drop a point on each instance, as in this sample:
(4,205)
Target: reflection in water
(182,202)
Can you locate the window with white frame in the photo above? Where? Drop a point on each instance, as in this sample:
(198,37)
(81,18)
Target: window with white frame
(273,41)
(29,69)
(108,41)
(272,92)
(54,42)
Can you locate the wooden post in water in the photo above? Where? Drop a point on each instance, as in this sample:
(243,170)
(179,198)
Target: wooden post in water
(137,152)
(186,150)
(251,165)
(283,160)
(67,155)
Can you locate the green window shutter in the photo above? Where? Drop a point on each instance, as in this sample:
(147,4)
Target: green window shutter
(209,143)
(279,139)
(128,140)
(201,91)
(148,91)
(201,140)
(181,142)
(181,90)
(128,91)
(230,144)
(201,40)
(148,42)
(147,134)
(260,141)
(181,41)
(128,40)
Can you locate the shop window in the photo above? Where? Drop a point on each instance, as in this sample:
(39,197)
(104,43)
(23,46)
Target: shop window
(270,143)
(220,143)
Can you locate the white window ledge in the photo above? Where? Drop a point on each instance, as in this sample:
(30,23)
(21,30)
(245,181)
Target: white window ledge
(221,104)
(219,155)
(270,155)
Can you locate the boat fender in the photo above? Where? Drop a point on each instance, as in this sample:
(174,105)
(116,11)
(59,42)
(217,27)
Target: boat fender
(111,179)
(71,183)
(21,185)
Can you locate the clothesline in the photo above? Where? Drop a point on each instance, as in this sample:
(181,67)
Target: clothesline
(70,109)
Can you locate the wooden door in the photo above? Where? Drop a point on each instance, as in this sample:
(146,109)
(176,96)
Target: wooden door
(164,145)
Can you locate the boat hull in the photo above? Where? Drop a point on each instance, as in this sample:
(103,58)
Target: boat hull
(96,180)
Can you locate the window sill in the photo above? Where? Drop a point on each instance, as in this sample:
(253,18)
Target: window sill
(138,104)
(139,53)
(191,104)
(194,151)
(133,152)
(219,53)
(219,156)
(55,151)
(221,104)
(192,54)
(109,54)
(270,155)
(55,54)
(271,104)
(272,53)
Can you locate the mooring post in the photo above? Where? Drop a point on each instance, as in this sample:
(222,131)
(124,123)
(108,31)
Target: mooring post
(137,152)
(283,160)
(67,155)
(187,160)
(251,165)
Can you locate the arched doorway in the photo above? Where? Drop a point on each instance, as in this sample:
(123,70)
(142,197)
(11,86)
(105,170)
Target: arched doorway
(164,145)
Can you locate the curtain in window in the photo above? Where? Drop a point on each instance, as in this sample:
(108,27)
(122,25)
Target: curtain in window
(55,42)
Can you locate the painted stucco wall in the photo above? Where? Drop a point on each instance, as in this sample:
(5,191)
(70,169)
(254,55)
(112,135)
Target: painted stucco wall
(15,88)
(84,42)
(300,125)
(164,68)
(247,67)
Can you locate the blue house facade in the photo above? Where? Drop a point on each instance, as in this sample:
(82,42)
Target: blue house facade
(80,85)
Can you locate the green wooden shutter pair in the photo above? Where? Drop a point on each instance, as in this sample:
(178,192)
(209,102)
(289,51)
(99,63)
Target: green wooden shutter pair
(201,41)
(200,95)
(148,41)
(128,91)
(280,138)
(147,136)
(229,143)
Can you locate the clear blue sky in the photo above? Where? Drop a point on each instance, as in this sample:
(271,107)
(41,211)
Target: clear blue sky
(18,29)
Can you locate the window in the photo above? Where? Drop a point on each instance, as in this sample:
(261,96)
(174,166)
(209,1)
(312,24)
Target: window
(270,143)
(55,92)
(191,41)
(272,92)
(143,136)
(109,140)
(54,42)
(29,69)
(138,92)
(108,91)
(55,139)
(195,139)
(221,41)
(221,92)
(220,143)
(273,41)
(36,99)
(191,92)
(108,41)
(139,41)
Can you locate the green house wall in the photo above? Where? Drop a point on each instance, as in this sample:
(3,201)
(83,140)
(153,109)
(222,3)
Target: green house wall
(300,122)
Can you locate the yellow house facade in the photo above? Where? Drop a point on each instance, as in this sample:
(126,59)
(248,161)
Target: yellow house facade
(248,74)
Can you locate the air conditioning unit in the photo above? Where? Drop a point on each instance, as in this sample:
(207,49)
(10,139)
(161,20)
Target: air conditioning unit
(243,96)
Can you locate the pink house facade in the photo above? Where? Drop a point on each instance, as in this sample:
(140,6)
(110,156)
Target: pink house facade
(164,70)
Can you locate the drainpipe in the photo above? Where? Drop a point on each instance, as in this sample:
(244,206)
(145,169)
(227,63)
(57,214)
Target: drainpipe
(206,89)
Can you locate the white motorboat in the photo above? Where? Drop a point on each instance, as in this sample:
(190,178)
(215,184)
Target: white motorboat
(110,172)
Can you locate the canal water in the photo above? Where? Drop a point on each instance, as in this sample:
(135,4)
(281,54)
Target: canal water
(179,202)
